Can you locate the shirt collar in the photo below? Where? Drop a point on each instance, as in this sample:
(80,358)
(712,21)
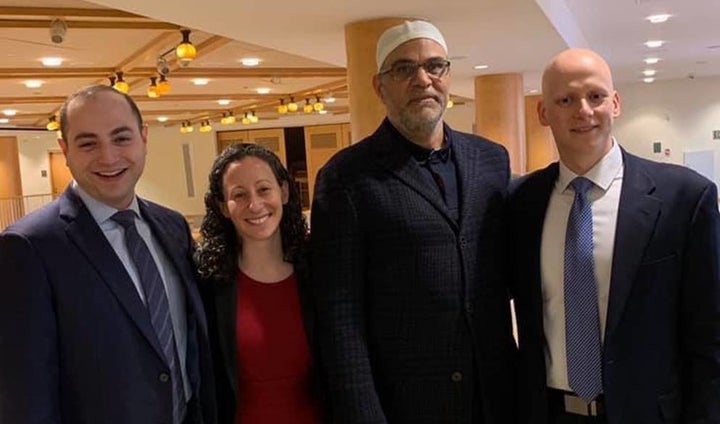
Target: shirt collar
(602,174)
(99,210)
(422,154)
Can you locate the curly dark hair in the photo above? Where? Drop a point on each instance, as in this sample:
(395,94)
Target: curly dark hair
(217,253)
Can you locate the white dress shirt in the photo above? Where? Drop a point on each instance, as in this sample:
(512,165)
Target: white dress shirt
(607,177)
(115,234)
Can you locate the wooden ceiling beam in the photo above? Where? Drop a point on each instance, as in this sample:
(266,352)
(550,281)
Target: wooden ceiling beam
(66,12)
(73,25)
(138,55)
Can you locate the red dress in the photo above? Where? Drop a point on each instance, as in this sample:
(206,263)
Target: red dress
(273,355)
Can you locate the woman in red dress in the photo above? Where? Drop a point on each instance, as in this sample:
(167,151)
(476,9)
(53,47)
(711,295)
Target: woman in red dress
(253,268)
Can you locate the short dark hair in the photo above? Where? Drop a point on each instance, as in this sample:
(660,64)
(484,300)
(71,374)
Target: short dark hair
(217,253)
(88,93)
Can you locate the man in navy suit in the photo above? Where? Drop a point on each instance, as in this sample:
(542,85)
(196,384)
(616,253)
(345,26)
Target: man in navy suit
(617,273)
(413,315)
(91,331)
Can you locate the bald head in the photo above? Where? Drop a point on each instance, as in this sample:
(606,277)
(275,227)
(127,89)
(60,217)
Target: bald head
(579,104)
(573,62)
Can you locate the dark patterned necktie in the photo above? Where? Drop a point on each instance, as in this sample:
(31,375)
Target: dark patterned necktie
(157,305)
(582,322)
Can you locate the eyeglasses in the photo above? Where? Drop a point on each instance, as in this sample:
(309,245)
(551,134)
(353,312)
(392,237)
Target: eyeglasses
(404,70)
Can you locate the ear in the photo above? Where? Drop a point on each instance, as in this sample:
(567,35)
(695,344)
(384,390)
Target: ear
(542,113)
(377,86)
(616,105)
(144,133)
(63,145)
(223,209)
(285,192)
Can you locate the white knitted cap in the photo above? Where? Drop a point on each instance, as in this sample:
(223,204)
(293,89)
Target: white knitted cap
(406,31)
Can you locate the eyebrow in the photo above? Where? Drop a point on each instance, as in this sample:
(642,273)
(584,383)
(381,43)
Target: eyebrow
(115,131)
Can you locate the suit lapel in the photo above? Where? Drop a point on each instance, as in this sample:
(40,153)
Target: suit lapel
(637,216)
(532,209)
(88,237)
(175,244)
(393,156)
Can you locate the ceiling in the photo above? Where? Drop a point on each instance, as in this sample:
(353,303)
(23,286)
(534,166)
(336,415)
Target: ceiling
(302,51)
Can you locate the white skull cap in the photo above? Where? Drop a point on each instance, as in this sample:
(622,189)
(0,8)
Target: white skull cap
(406,31)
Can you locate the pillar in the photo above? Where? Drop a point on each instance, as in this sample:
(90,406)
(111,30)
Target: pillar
(540,145)
(366,109)
(500,114)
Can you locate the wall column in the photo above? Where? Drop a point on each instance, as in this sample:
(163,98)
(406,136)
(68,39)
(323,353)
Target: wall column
(500,114)
(366,109)
(540,147)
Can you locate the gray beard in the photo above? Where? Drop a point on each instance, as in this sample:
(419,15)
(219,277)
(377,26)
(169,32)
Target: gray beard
(419,126)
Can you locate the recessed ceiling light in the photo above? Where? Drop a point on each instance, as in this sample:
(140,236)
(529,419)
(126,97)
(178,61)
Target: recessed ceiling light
(4,120)
(648,80)
(649,72)
(533,91)
(651,60)
(653,44)
(323,112)
(162,118)
(250,61)
(9,112)
(200,81)
(329,99)
(262,90)
(478,67)
(33,83)
(51,61)
(658,19)
(223,102)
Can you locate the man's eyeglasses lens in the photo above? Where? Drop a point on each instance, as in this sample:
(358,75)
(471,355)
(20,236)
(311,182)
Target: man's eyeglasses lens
(401,71)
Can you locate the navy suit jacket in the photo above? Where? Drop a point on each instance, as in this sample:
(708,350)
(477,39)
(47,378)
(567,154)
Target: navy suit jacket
(661,352)
(413,315)
(76,342)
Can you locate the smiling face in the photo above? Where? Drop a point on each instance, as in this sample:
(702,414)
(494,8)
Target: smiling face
(579,104)
(104,147)
(415,105)
(253,200)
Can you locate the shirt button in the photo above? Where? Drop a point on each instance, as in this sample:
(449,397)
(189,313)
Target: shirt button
(463,241)
(163,377)
(469,307)
(456,377)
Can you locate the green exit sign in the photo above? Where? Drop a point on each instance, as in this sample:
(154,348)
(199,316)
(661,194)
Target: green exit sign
(716,135)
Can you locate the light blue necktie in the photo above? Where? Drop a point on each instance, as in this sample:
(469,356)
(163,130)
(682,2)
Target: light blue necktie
(582,321)
(157,305)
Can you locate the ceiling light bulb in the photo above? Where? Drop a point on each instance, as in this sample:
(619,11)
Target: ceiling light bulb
(250,61)
(307,108)
(185,51)
(649,72)
(648,80)
(163,85)
(653,44)
(318,106)
(253,118)
(292,106)
(263,90)
(245,120)
(53,124)
(120,84)
(162,118)
(205,126)
(480,67)
(9,112)
(51,61)
(658,19)
(651,60)
(200,81)
(449,104)
(223,102)
(282,107)
(33,83)
(152,90)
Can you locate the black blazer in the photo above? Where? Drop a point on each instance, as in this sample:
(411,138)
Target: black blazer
(220,300)
(76,342)
(661,355)
(413,315)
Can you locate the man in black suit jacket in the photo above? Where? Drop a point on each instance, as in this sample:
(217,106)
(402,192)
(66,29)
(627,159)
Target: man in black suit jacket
(413,318)
(655,240)
(78,336)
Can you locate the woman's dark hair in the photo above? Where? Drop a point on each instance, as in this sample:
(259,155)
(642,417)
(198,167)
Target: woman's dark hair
(217,253)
